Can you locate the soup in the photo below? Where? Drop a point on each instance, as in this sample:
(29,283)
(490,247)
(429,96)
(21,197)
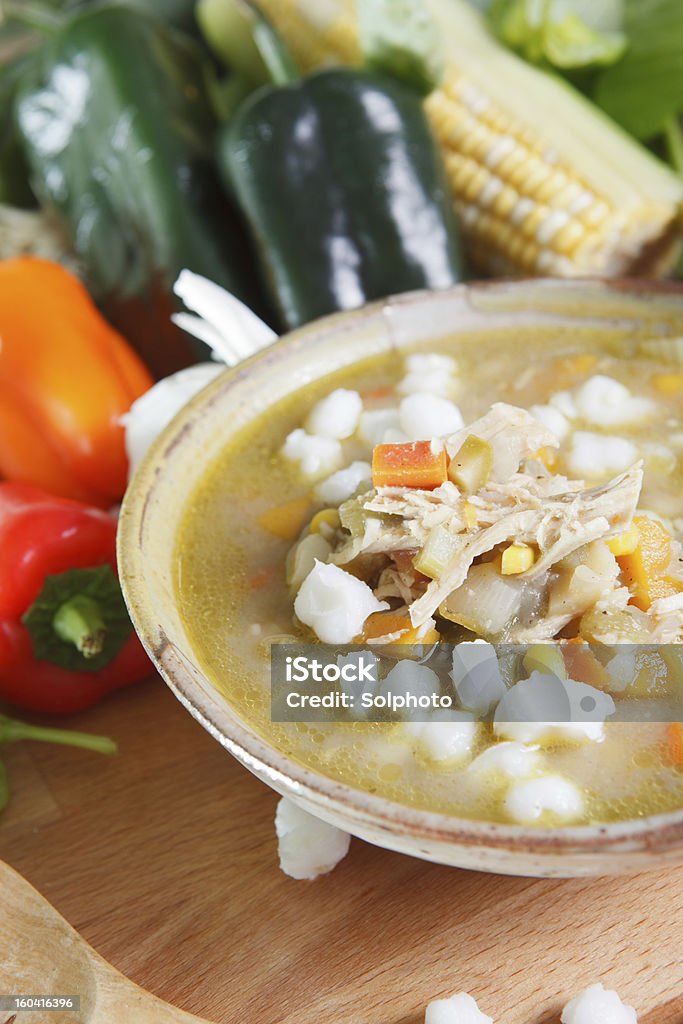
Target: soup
(455,494)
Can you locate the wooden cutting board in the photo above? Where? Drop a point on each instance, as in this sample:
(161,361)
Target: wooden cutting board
(164,858)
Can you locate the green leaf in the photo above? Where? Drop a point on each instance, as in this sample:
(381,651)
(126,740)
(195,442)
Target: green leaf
(644,91)
(567,34)
(99,585)
(399,38)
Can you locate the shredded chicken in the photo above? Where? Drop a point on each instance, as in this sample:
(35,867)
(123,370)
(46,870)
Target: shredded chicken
(521,503)
(513,433)
(557,525)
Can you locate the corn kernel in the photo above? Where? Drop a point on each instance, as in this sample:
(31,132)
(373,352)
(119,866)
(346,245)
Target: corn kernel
(470,516)
(582,363)
(549,458)
(545,658)
(625,543)
(326,517)
(668,383)
(517,558)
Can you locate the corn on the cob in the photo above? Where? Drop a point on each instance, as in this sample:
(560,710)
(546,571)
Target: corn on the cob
(544,183)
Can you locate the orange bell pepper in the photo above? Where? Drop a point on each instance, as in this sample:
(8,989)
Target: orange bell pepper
(66,378)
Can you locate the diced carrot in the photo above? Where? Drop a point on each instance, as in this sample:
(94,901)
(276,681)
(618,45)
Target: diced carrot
(286,521)
(384,623)
(262,578)
(583,666)
(377,394)
(415,464)
(674,743)
(645,570)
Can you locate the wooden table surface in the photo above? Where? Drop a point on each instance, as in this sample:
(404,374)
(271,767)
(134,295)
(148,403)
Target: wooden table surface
(164,858)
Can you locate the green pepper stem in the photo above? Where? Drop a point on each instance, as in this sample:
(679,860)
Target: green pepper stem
(33,15)
(674,142)
(79,622)
(12,730)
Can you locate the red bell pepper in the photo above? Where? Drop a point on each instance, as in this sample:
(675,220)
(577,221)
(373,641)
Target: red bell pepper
(65,636)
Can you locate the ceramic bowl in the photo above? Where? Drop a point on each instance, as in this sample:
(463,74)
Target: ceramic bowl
(160,492)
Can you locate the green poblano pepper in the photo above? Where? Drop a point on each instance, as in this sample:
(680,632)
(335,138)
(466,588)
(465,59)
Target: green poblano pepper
(118,132)
(342,188)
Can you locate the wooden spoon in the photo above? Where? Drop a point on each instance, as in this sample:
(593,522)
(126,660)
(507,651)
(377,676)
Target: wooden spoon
(40,954)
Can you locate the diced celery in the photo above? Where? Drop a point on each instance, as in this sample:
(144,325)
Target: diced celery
(471,467)
(440,547)
(353,517)
(487,602)
(612,627)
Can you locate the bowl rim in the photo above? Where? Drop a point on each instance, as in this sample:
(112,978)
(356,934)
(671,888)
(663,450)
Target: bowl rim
(651,834)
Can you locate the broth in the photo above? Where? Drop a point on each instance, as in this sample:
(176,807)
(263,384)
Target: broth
(235,600)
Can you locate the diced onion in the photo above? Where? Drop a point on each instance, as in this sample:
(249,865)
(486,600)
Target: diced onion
(486,602)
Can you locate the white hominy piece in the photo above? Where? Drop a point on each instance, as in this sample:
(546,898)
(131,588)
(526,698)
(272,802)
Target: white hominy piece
(375,424)
(423,416)
(335,604)
(532,799)
(509,760)
(308,847)
(336,415)
(317,456)
(606,402)
(550,733)
(545,709)
(551,418)
(313,548)
(476,676)
(563,401)
(596,455)
(345,482)
(431,362)
(431,383)
(598,1005)
(459,1009)
(446,740)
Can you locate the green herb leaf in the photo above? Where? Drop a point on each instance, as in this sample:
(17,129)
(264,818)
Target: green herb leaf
(100,586)
(644,91)
(399,38)
(567,34)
